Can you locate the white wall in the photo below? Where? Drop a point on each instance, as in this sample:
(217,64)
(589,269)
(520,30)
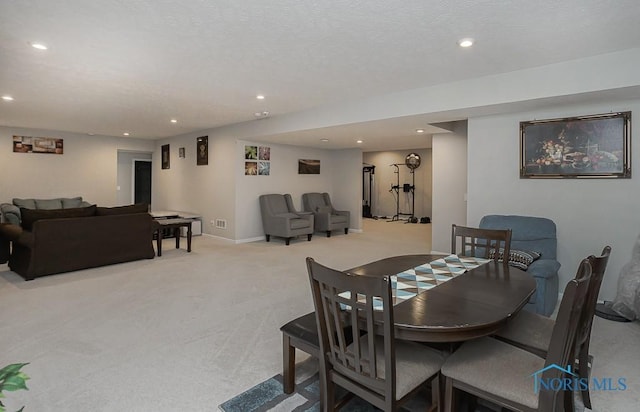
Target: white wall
(208,190)
(384,201)
(88,167)
(284,178)
(125,175)
(346,193)
(221,190)
(589,213)
(449,185)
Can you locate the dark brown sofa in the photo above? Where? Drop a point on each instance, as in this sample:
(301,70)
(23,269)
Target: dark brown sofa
(61,244)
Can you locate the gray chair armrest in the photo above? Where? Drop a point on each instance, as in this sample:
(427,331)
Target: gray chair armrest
(544,268)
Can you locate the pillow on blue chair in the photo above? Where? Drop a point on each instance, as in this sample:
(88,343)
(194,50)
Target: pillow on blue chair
(520,259)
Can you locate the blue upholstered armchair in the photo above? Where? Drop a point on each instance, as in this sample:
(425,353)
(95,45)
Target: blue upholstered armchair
(536,234)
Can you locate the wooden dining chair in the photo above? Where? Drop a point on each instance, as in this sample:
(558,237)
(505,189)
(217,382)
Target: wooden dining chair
(375,367)
(486,243)
(509,376)
(532,332)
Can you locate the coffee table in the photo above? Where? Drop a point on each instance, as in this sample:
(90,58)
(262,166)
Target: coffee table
(174,225)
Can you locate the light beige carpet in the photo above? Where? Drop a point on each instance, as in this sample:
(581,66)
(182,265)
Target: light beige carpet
(187,331)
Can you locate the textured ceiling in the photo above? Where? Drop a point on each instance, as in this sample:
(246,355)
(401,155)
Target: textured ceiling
(132,65)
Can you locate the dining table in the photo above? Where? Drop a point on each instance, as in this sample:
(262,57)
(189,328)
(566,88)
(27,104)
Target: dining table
(471,301)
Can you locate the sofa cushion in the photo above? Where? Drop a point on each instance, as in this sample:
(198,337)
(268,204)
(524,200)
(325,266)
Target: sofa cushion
(517,258)
(73,202)
(48,204)
(123,210)
(30,216)
(26,203)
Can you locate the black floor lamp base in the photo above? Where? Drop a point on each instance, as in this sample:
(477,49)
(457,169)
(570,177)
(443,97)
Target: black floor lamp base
(604,311)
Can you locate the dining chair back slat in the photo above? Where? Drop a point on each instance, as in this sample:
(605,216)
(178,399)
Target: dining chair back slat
(485,243)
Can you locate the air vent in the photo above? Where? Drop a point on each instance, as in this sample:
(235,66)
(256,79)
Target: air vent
(221,224)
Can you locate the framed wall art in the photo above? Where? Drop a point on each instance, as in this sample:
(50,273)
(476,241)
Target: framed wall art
(202,145)
(308,167)
(165,156)
(29,144)
(595,146)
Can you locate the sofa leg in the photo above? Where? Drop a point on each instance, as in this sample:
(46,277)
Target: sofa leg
(268,238)
(287,240)
(328,233)
(309,237)
(346,230)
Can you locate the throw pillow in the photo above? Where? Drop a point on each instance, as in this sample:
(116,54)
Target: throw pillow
(68,203)
(48,204)
(31,216)
(520,259)
(123,210)
(26,203)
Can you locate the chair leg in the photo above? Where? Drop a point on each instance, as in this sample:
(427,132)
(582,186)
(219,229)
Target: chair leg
(328,233)
(287,240)
(583,372)
(309,237)
(268,238)
(435,394)
(288,364)
(449,399)
(346,230)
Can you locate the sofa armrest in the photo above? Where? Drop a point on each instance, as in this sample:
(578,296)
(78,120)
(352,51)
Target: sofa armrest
(544,268)
(10,213)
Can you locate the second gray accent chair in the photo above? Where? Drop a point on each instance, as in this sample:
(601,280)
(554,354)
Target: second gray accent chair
(326,217)
(280,218)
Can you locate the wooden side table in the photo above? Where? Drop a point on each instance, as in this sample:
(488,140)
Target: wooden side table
(174,225)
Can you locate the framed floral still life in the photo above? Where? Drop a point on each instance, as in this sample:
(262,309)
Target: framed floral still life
(596,146)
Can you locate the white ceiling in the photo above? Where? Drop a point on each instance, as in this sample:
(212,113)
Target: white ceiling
(132,65)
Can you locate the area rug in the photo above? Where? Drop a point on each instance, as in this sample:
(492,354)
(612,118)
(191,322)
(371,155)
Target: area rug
(269,396)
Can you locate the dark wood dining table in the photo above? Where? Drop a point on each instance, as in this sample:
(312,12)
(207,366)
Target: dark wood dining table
(471,305)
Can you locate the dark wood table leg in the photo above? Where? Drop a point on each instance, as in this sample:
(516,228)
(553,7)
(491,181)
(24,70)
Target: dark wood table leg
(159,241)
(189,237)
(176,234)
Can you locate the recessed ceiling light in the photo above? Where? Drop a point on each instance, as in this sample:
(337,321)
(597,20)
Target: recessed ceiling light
(260,97)
(358,141)
(7,98)
(419,130)
(174,121)
(324,140)
(466,42)
(38,46)
(91,134)
(125,134)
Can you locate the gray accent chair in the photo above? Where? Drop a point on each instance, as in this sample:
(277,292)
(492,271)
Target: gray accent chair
(326,217)
(280,218)
(536,234)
